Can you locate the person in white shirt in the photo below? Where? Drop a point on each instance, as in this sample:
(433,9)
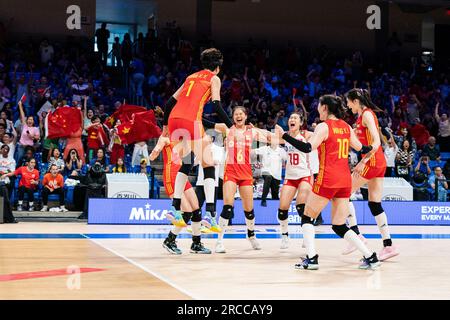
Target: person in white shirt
(390,152)
(272,163)
(7,165)
(140,151)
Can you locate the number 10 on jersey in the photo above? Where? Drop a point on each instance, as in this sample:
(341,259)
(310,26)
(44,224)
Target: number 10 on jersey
(344,146)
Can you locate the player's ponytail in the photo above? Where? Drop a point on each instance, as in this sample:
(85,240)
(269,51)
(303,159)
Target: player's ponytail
(363,96)
(335,105)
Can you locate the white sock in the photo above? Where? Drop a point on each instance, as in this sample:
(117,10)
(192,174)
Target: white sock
(180,184)
(223,223)
(284,226)
(383,225)
(31,203)
(353,238)
(352,216)
(20,202)
(210,189)
(196,226)
(62,207)
(308,238)
(176,230)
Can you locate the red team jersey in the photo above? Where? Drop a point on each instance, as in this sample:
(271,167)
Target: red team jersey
(237,166)
(172,163)
(334,178)
(188,111)
(376,166)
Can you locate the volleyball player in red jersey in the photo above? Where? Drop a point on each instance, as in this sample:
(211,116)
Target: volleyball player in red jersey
(333,139)
(183,121)
(189,202)
(371,169)
(238,173)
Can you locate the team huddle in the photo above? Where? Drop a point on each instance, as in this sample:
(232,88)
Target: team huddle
(185,143)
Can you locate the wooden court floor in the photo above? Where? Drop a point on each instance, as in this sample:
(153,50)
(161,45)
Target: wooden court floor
(79,261)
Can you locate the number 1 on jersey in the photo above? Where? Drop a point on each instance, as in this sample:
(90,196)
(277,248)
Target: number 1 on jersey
(191,84)
(343,148)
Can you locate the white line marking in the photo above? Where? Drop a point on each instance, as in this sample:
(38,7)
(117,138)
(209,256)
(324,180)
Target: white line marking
(160,277)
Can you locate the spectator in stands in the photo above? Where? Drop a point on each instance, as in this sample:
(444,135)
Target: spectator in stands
(126,52)
(431,149)
(140,151)
(80,89)
(47,144)
(116,59)
(420,133)
(28,183)
(30,134)
(53,183)
(442,184)
(120,166)
(29,154)
(102,35)
(423,165)
(7,165)
(144,168)
(390,153)
(404,134)
(404,160)
(47,52)
(56,160)
(102,159)
(413,108)
(73,163)
(137,76)
(444,129)
(93,141)
(116,147)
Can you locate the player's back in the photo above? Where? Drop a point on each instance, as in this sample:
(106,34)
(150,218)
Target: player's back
(195,93)
(334,170)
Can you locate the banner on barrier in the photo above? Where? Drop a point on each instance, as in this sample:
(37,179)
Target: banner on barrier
(153,211)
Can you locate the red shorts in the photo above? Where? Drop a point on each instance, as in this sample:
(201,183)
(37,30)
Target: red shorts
(296,183)
(180,129)
(169,185)
(331,193)
(373,172)
(239,181)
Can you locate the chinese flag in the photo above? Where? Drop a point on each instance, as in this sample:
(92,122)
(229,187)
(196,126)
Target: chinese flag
(63,122)
(142,127)
(124,114)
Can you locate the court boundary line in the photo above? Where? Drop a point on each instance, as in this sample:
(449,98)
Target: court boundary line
(140,266)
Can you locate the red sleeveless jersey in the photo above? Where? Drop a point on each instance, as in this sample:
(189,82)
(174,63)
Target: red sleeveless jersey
(334,171)
(363,134)
(196,92)
(239,145)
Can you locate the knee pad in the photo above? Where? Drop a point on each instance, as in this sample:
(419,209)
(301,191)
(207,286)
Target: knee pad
(282,215)
(227,212)
(209,172)
(375,208)
(250,215)
(300,209)
(196,216)
(340,230)
(187,216)
(306,219)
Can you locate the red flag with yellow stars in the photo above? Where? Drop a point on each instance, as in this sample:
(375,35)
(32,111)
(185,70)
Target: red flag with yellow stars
(142,127)
(63,122)
(124,114)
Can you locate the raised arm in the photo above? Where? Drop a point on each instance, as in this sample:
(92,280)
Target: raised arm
(320,134)
(22,114)
(436,112)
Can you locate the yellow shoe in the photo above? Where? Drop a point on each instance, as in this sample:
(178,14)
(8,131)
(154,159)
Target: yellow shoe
(205,230)
(210,223)
(177,218)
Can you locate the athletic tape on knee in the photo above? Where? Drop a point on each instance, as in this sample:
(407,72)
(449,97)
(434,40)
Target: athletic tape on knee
(187,216)
(340,230)
(306,219)
(300,209)
(250,215)
(282,214)
(209,172)
(375,208)
(196,216)
(227,212)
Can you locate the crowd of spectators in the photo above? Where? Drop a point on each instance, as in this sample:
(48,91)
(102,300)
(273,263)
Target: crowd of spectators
(270,82)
